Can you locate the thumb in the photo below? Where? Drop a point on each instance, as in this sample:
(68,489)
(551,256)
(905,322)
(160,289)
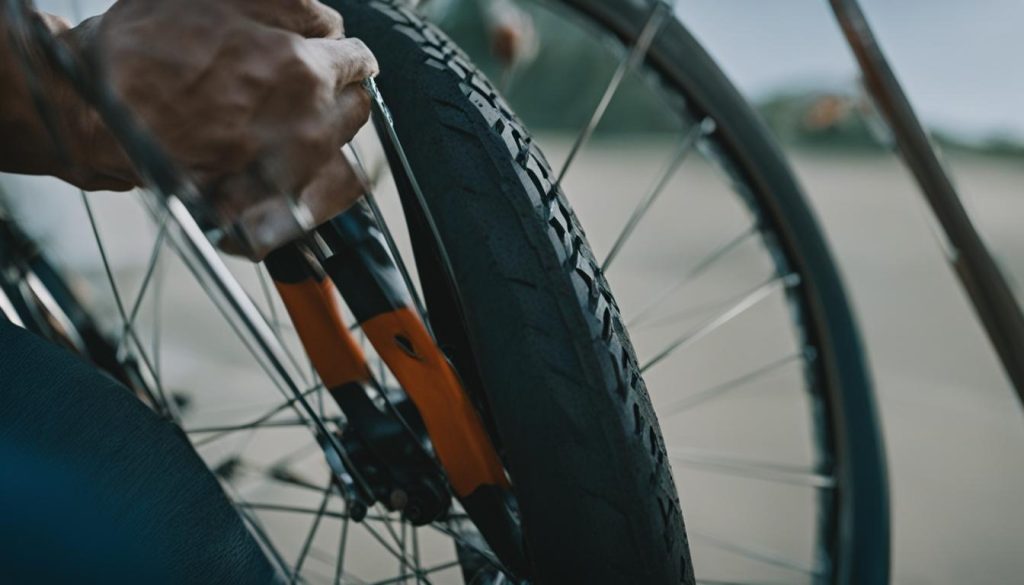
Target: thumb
(334,189)
(273,222)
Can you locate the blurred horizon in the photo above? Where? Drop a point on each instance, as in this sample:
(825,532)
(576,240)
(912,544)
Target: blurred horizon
(790,60)
(958,61)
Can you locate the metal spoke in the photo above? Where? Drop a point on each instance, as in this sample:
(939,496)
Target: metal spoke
(389,527)
(418,574)
(244,407)
(356,162)
(416,552)
(339,569)
(243,427)
(290,403)
(731,465)
(659,13)
(716,391)
(404,549)
(312,533)
(103,257)
(321,405)
(284,508)
(318,554)
(242,315)
(277,469)
(694,272)
(376,535)
(486,555)
(166,406)
(684,315)
(154,257)
(686,145)
(756,296)
(755,553)
(283,475)
(158,297)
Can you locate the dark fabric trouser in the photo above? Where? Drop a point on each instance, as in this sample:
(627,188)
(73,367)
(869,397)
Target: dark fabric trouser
(95,488)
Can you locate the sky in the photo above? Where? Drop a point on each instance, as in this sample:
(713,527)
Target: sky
(961,61)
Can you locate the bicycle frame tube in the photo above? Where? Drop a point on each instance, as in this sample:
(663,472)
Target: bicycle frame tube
(970,259)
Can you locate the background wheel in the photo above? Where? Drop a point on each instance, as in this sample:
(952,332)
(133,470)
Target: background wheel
(536,331)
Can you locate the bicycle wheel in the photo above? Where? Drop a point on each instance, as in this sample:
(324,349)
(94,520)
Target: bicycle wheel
(535,329)
(532,330)
(728,288)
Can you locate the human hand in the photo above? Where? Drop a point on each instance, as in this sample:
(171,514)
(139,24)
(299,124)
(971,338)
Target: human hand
(252,98)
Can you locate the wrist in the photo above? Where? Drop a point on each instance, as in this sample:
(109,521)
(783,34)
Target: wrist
(97,160)
(78,148)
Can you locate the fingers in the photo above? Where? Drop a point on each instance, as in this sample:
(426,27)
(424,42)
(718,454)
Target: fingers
(298,150)
(308,18)
(274,221)
(352,109)
(349,60)
(334,189)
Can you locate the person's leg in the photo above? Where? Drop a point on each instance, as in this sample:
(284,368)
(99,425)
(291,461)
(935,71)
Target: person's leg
(95,488)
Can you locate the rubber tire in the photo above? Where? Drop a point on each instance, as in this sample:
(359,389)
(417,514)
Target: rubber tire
(580,438)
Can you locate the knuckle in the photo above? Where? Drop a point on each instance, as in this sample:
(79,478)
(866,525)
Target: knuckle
(296,68)
(337,22)
(322,20)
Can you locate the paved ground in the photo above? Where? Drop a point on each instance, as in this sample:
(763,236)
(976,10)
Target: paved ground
(952,426)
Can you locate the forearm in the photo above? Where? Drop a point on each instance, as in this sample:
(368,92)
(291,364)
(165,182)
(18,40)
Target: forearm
(26,144)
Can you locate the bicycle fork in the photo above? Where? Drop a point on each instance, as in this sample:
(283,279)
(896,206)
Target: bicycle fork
(383,435)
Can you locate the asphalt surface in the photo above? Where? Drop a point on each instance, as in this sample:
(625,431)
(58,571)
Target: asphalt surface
(952,425)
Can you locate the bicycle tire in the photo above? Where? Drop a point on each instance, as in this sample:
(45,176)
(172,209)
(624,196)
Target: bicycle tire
(577,429)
